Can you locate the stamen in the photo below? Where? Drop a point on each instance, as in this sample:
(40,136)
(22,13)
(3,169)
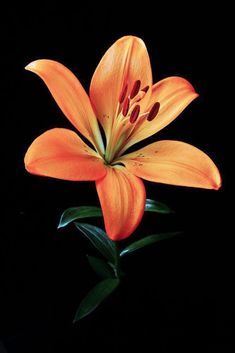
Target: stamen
(123,94)
(135,89)
(134,114)
(126,106)
(153,111)
(138,97)
(145,89)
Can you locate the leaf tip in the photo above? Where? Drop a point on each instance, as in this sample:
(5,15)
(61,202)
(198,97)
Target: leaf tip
(75,320)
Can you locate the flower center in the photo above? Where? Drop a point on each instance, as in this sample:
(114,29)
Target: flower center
(129,117)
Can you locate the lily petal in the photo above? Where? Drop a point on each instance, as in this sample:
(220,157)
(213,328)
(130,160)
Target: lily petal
(173,162)
(61,154)
(122,197)
(70,97)
(125,62)
(174,94)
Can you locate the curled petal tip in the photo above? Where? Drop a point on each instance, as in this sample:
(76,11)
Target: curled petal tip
(217,185)
(216,181)
(30,66)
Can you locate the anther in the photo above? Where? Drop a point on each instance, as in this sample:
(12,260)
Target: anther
(153,111)
(134,114)
(145,89)
(135,89)
(126,105)
(123,94)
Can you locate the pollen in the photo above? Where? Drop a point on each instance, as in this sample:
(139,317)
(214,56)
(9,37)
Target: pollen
(126,106)
(123,94)
(145,89)
(134,114)
(153,111)
(135,89)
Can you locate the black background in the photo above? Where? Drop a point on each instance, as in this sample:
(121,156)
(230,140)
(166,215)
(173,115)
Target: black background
(179,293)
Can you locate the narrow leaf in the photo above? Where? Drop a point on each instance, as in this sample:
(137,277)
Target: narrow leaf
(99,239)
(73,213)
(147,241)
(156,206)
(95,297)
(101,267)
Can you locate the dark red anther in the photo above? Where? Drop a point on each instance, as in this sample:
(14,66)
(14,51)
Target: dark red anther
(153,111)
(126,105)
(123,94)
(134,114)
(145,89)
(135,89)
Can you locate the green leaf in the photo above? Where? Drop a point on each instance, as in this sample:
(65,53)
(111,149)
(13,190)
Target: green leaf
(101,267)
(99,239)
(156,206)
(147,241)
(73,213)
(95,297)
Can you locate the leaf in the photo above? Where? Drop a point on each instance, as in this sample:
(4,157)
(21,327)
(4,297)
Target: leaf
(101,267)
(73,213)
(95,297)
(147,241)
(156,206)
(99,239)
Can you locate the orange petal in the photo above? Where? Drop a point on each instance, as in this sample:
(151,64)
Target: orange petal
(125,62)
(70,97)
(173,162)
(61,154)
(174,94)
(122,197)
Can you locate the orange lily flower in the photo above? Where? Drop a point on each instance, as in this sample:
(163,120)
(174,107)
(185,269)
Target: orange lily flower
(129,109)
